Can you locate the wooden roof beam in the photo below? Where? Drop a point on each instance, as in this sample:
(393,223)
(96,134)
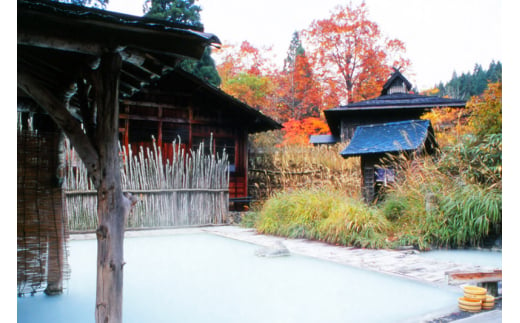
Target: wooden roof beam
(141,74)
(77,46)
(132,80)
(99,30)
(127,89)
(181,45)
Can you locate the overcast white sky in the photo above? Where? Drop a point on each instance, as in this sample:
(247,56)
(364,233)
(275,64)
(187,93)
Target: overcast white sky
(441,36)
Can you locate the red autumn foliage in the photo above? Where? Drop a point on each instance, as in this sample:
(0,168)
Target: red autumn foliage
(246,74)
(299,94)
(347,58)
(350,50)
(298,131)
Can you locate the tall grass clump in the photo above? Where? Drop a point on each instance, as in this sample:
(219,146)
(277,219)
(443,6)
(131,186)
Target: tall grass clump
(471,213)
(452,200)
(322,215)
(410,202)
(353,223)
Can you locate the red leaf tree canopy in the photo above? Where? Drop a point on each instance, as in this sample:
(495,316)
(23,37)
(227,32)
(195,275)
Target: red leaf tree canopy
(349,50)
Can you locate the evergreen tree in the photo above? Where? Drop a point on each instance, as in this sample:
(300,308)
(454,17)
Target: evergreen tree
(179,11)
(494,73)
(185,12)
(205,68)
(295,49)
(479,83)
(86,3)
(470,84)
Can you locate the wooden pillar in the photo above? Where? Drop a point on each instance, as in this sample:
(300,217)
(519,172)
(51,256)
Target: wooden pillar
(244,159)
(57,224)
(368,178)
(112,207)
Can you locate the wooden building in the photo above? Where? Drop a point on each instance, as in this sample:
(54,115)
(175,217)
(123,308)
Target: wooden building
(184,108)
(396,103)
(375,143)
(74,65)
(387,125)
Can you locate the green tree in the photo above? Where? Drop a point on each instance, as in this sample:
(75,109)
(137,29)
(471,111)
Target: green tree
(86,3)
(494,72)
(179,11)
(188,13)
(471,84)
(295,49)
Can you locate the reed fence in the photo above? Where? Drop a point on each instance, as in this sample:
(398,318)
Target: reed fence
(302,167)
(188,188)
(42,248)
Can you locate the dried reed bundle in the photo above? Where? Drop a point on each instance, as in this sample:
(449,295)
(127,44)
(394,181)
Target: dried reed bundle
(302,167)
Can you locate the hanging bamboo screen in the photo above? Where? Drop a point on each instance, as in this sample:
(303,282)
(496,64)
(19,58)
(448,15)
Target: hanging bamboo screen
(191,188)
(41,225)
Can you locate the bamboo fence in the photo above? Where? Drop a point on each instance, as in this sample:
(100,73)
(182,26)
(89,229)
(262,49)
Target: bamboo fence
(189,189)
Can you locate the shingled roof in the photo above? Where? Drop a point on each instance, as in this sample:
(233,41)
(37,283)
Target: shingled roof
(392,137)
(402,100)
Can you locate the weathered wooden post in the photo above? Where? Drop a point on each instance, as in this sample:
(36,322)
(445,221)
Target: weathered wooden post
(113,207)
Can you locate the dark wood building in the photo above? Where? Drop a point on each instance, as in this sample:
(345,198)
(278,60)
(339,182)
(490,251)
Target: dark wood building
(183,108)
(395,103)
(387,125)
(373,143)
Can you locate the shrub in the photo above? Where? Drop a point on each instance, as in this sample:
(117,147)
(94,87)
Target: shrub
(295,214)
(325,215)
(486,110)
(249,219)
